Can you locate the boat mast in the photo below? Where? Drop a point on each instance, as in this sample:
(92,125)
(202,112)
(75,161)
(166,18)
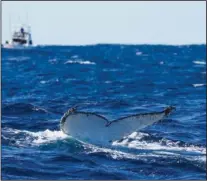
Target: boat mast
(10,33)
(27,19)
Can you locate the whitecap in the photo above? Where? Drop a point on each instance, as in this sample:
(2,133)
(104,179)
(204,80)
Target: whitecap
(199,62)
(111,70)
(43,82)
(52,61)
(49,81)
(138,53)
(107,82)
(18,59)
(198,85)
(74,56)
(79,62)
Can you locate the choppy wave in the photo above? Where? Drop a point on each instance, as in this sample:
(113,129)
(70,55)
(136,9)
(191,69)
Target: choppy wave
(18,59)
(39,85)
(19,108)
(149,150)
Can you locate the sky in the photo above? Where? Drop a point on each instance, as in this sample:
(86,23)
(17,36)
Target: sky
(92,22)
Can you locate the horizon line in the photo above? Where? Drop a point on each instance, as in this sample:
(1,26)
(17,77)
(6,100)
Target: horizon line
(126,44)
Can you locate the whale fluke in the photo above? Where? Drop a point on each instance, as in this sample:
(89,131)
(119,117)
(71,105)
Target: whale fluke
(96,129)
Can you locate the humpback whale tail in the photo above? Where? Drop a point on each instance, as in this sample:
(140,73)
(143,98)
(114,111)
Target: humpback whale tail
(94,128)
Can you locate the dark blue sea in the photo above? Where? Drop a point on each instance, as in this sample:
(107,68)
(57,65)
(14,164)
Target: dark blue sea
(39,85)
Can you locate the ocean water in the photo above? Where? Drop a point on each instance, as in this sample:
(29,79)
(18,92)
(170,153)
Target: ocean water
(41,84)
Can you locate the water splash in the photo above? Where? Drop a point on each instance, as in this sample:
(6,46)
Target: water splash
(47,136)
(28,138)
(142,141)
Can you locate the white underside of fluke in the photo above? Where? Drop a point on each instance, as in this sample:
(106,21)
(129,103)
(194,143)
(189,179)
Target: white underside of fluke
(95,129)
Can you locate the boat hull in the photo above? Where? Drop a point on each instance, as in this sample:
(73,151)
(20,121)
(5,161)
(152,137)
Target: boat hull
(10,46)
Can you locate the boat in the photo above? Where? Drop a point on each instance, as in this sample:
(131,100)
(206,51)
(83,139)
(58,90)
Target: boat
(21,38)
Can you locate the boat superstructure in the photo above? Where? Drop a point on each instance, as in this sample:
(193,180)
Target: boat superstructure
(21,38)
